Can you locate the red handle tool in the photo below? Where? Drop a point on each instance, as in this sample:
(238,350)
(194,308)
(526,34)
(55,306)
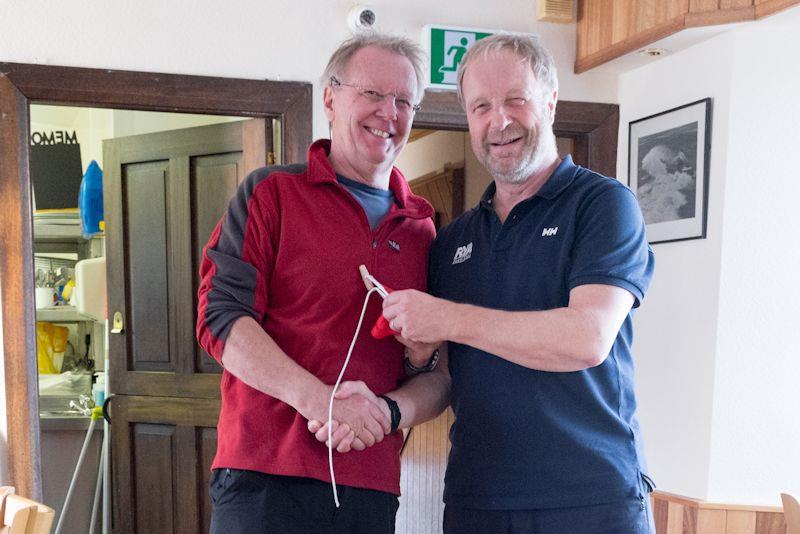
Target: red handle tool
(381,328)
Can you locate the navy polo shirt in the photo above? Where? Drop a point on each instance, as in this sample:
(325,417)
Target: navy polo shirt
(526,439)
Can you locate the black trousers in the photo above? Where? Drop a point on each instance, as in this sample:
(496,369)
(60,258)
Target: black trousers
(249,502)
(630,516)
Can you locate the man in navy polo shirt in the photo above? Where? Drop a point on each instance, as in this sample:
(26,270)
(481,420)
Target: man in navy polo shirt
(534,289)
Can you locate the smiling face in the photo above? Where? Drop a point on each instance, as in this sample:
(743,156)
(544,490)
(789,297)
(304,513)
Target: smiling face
(510,119)
(367,134)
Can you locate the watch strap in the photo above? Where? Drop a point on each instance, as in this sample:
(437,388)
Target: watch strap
(394,410)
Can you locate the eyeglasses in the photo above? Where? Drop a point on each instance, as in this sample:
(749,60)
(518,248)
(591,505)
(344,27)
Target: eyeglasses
(401,102)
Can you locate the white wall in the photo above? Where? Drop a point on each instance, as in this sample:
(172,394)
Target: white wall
(276,39)
(756,426)
(128,122)
(91,126)
(716,363)
(674,343)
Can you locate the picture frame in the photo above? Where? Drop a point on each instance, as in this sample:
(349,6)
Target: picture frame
(669,154)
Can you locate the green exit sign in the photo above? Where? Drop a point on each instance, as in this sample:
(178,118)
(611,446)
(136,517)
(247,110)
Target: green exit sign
(447,46)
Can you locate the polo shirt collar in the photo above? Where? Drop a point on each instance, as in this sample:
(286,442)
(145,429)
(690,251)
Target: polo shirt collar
(558,181)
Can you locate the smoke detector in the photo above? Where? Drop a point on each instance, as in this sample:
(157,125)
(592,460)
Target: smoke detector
(653,52)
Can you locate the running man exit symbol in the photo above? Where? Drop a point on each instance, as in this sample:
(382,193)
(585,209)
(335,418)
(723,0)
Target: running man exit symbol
(447,49)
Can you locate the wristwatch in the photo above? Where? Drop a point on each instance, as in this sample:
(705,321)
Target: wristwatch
(430,366)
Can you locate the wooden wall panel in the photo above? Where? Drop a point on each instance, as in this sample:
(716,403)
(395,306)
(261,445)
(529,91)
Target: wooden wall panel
(740,522)
(711,521)
(609,29)
(770,523)
(674,518)
(764,8)
(674,514)
(422,477)
(699,6)
(734,4)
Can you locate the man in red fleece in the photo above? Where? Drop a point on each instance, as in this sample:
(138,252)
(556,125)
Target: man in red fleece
(280,298)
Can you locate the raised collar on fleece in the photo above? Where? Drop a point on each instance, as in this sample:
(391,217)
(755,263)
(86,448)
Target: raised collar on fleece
(320,171)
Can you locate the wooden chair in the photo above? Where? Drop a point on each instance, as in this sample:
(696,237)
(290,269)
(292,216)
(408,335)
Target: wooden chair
(19,515)
(791,513)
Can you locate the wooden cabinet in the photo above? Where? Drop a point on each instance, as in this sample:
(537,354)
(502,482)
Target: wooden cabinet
(608,29)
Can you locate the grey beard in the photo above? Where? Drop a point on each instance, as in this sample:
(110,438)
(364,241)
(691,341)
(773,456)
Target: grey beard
(525,170)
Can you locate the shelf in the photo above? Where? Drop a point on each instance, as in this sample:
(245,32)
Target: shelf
(61,314)
(59,233)
(49,237)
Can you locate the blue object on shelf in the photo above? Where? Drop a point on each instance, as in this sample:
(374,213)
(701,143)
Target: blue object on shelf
(90,200)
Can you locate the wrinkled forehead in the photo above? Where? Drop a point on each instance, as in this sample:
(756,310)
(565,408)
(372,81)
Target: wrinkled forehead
(382,70)
(499,72)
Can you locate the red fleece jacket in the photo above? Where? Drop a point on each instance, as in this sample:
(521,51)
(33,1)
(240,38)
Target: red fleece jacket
(287,254)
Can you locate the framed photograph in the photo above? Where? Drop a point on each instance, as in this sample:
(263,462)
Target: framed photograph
(668,160)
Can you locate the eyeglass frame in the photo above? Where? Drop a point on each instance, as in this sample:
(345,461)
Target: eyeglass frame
(372,94)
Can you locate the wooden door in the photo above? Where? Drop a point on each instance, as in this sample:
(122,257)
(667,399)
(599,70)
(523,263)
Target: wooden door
(164,193)
(445,191)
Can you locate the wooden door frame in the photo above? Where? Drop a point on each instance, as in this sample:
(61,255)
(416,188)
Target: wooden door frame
(21,84)
(593,126)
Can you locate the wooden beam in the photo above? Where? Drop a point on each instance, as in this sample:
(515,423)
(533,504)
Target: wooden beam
(17,318)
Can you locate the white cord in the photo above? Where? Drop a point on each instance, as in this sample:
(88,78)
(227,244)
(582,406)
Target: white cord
(333,393)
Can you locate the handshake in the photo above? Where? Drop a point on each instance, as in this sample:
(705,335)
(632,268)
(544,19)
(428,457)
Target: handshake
(360,418)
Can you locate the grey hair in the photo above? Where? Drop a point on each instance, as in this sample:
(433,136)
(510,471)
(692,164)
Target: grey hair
(527,47)
(400,45)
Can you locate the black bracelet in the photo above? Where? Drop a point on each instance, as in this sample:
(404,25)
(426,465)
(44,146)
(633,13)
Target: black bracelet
(394,410)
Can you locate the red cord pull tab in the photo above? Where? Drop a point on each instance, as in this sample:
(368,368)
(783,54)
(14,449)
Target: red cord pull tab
(381,328)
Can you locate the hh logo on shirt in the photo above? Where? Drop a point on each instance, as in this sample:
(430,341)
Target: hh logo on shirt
(549,232)
(463,254)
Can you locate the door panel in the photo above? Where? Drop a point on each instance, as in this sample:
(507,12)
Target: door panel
(162,450)
(164,193)
(214,181)
(153,446)
(145,208)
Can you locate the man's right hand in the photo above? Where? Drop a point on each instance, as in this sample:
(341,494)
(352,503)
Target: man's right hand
(360,419)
